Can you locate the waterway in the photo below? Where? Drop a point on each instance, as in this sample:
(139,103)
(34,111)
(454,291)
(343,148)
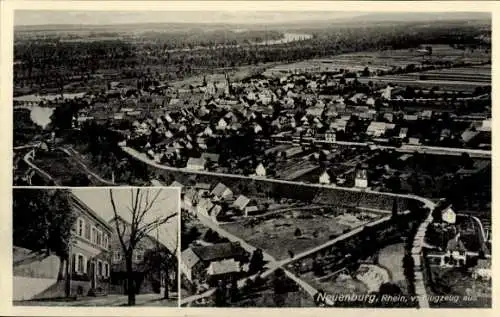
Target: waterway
(287,38)
(41,115)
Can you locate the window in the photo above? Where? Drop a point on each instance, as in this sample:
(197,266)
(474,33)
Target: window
(87,231)
(81,265)
(99,268)
(117,256)
(94,235)
(105,242)
(106,269)
(99,237)
(139,255)
(81,224)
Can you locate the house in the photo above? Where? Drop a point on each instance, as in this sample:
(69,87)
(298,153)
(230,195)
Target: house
(324,178)
(456,252)
(331,136)
(212,157)
(214,212)
(426,115)
(314,111)
(208,132)
(250,210)
(221,191)
(89,255)
(190,198)
(146,278)
(485,125)
(468,135)
(445,133)
(257,128)
(403,132)
(156,182)
(196,260)
(361,179)
(241,202)
(387,93)
(370,102)
(378,129)
(221,124)
(260,170)
(389,116)
(191,265)
(223,270)
(448,215)
(203,207)
(176,184)
(339,125)
(196,164)
(38,277)
(414,141)
(410,117)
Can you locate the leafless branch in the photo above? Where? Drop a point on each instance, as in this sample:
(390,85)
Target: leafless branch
(117,220)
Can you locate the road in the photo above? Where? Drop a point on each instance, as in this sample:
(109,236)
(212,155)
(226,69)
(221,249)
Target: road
(143,158)
(27,159)
(70,152)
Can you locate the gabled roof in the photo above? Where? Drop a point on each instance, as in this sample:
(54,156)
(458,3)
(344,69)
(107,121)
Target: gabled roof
(223,267)
(196,161)
(241,202)
(189,258)
(81,206)
(220,189)
(214,157)
(176,184)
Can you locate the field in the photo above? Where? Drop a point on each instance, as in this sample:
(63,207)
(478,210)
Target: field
(277,235)
(383,60)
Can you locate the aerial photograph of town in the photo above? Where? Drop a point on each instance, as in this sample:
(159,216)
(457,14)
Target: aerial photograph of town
(95,247)
(323,159)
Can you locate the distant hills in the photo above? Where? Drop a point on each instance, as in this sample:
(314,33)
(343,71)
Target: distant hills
(223,20)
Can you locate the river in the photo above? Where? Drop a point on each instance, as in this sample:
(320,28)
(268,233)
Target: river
(40,115)
(287,38)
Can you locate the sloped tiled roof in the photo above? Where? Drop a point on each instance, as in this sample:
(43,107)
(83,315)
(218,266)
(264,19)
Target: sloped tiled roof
(189,258)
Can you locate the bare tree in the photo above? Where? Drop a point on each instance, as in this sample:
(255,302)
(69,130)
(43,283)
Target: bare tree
(142,204)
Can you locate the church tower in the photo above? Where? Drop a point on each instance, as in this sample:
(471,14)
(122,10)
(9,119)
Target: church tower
(227,86)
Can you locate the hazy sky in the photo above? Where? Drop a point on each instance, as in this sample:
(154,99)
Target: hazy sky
(114,17)
(98,199)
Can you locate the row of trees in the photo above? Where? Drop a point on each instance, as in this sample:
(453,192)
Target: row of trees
(49,62)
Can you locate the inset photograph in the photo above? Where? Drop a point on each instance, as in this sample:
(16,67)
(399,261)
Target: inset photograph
(95,246)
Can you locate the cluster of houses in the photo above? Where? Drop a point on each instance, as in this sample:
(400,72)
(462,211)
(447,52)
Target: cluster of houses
(453,253)
(176,127)
(210,263)
(216,203)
